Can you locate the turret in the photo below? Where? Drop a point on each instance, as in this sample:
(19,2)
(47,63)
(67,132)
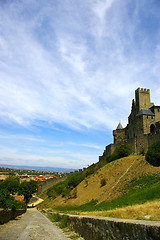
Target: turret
(142,97)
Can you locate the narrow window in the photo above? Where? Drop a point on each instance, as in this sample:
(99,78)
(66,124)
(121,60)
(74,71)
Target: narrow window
(152,128)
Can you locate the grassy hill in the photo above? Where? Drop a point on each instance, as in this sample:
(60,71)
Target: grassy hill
(126,181)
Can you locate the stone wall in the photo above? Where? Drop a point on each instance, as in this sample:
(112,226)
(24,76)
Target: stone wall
(153,137)
(44,185)
(143,126)
(6,215)
(103,228)
(107,152)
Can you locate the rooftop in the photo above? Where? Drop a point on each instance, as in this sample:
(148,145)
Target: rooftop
(147,112)
(119,126)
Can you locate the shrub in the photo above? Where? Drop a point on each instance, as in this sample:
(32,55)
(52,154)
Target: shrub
(120,152)
(103,182)
(54,218)
(64,188)
(51,193)
(59,187)
(90,170)
(153,154)
(142,151)
(8,202)
(74,179)
(63,223)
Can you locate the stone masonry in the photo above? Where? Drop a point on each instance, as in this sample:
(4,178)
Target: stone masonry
(143,126)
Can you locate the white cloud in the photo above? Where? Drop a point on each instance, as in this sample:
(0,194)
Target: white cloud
(100,9)
(21,137)
(75,64)
(73,53)
(66,75)
(12,157)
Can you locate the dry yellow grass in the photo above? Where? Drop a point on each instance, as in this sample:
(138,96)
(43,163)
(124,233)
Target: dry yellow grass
(117,175)
(147,211)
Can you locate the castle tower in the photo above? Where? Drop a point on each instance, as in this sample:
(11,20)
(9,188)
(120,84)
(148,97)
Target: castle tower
(142,97)
(143,126)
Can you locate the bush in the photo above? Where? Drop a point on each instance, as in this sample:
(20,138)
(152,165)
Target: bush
(74,179)
(51,194)
(64,188)
(54,218)
(8,202)
(120,152)
(103,182)
(11,184)
(63,223)
(153,154)
(90,170)
(27,189)
(59,187)
(142,151)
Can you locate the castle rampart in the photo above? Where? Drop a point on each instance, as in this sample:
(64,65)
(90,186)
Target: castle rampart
(143,126)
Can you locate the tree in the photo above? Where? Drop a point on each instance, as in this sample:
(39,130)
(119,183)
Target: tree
(120,152)
(8,202)
(27,189)
(11,184)
(4,197)
(153,154)
(74,179)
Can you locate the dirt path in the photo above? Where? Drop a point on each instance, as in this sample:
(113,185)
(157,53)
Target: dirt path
(32,226)
(35,203)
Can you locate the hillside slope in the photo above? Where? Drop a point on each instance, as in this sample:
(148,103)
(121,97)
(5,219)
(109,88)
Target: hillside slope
(119,175)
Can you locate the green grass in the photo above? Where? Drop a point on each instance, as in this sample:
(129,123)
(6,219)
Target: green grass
(54,218)
(139,191)
(63,223)
(133,197)
(143,181)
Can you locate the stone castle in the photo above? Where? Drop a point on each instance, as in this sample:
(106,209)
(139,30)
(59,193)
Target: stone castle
(143,126)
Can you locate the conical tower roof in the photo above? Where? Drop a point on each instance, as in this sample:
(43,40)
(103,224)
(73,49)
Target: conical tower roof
(119,126)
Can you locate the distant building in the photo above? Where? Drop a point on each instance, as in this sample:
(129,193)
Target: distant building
(17,197)
(143,126)
(3,177)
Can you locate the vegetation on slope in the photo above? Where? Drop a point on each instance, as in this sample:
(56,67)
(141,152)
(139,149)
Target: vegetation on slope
(120,152)
(11,186)
(145,211)
(104,186)
(65,187)
(146,188)
(127,181)
(153,154)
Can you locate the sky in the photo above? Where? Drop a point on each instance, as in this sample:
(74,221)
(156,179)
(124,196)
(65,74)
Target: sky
(68,73)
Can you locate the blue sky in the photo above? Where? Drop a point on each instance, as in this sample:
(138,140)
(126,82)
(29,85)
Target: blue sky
(68,72)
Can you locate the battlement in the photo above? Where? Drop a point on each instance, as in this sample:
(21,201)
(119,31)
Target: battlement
(142,99)
(143,90)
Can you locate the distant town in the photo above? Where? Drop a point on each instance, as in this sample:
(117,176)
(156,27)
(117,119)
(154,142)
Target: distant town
(27,175)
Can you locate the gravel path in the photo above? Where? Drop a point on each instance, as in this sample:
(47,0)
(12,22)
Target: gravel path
(32,226)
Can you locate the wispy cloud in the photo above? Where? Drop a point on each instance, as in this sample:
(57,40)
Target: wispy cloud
(55,76)
(76,64)
(20,137)
(78,160)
